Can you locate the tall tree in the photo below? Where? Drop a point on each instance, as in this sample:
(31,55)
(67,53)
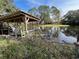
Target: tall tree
(55,13)
(44,13)
(72,17)
(33,11)
(6,6)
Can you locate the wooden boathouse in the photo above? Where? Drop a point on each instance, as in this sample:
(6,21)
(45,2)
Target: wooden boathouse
(19,22)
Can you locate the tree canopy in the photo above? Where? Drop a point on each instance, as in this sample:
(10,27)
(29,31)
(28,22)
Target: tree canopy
(55,13)
(33,11)
(44,12)
(6,6)
(72,17)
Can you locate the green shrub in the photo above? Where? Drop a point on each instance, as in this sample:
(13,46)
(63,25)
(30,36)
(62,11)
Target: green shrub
(35,48)
(12,49)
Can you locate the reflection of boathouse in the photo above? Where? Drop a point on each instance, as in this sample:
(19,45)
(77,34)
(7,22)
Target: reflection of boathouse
(17,23)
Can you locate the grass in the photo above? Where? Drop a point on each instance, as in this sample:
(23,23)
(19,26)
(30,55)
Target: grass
(35,48)
(52,25)
(6,42)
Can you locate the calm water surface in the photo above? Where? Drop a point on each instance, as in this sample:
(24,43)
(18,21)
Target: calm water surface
(66,34)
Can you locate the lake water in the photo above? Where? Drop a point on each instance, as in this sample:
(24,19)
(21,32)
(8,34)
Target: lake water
(61,34)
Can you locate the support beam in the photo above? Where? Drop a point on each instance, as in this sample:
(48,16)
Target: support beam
(22,27)
(26,23)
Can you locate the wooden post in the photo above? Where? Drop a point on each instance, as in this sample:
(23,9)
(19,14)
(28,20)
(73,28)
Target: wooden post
(26,23)
(8,29)
(21,29)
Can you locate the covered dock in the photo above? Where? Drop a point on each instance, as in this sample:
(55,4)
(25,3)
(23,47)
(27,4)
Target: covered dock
(18,22)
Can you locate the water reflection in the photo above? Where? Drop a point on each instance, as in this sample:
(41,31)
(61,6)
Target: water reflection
(72,30)
(61,34)
(66,39)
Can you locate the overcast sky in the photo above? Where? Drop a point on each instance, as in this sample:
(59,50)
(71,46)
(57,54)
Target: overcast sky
(63,5)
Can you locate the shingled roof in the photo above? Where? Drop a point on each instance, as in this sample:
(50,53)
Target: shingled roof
(17,14)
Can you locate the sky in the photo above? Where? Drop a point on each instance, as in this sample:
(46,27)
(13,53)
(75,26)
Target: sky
(63,5)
